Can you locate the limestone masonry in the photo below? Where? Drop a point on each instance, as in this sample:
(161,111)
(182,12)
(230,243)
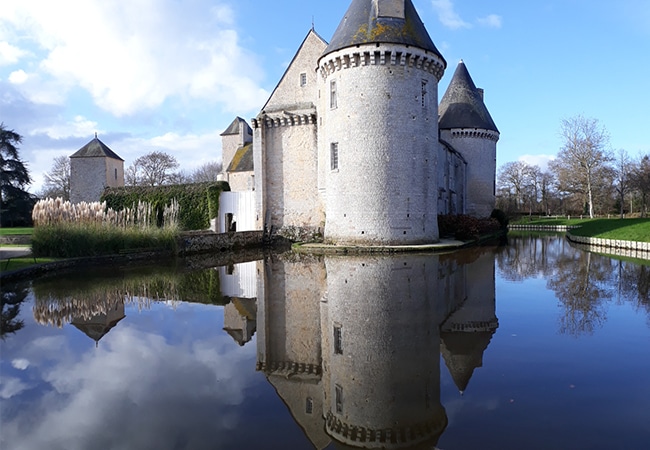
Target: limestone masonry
(353,143)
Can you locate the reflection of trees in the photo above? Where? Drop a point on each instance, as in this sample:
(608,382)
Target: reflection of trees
(58,301)
(529,256)
(10,301)
(581,283)
(634,285)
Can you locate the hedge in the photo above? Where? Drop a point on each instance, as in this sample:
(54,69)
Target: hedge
(198,202)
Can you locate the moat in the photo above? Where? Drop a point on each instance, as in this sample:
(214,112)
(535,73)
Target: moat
(535,345)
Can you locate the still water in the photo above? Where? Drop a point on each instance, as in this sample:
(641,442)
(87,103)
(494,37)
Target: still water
(533,345)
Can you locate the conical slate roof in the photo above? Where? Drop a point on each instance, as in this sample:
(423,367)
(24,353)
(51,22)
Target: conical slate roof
(381,21)
(462,105)
(463,352)
(95,149)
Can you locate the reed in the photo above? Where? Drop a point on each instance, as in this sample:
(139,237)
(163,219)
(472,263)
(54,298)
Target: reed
(65,230)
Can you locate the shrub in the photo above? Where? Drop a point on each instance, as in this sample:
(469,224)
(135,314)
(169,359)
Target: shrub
(197,202)
(466,228)
(75,240)
(502,217)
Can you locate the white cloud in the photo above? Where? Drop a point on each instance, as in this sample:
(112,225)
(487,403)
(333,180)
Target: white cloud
(18,77)
(491,21)
(78,127)
(20,363)
(448,16)
(134,56)
(10,386)
(9,54)
(537,160)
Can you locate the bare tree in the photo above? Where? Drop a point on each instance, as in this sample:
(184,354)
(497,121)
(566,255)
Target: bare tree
(622,177)
(208,172)
(513,179)
(583,154)
(641,181)
(152,169)
(57,180)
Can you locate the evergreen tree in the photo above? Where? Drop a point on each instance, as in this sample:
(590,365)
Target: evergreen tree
(15,202)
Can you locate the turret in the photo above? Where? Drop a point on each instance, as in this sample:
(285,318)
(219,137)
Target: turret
(378,126)
(93,168)
(467,126)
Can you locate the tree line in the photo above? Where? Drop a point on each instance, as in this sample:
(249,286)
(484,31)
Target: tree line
(153,169)
(586,177)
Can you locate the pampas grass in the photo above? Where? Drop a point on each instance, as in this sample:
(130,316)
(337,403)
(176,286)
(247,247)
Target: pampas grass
(65,230)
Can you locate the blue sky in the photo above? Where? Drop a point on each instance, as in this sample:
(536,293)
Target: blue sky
(170,75)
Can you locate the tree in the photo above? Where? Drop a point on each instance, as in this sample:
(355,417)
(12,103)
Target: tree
(15,202)
(513,178)
(152,169)
(57,180)
(208,172)
(641,181)
(582,156)
(622,177)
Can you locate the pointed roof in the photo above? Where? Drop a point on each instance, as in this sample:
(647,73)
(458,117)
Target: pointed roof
(311,39)
(381,21)
(462,105)
(463,352)
(236,126)
(95,149)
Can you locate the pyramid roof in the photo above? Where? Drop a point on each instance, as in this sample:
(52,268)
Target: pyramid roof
(95,149)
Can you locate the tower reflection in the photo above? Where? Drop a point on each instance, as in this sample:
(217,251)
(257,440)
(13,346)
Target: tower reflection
(352,343)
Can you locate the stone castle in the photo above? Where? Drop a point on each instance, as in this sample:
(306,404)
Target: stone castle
(353,143)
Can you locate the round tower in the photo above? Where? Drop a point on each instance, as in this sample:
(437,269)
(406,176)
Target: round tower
(381,363)
(378,126)
(466,124)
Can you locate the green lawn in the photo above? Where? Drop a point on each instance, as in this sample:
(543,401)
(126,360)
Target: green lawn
(22,262)
(621,229)
(12,231)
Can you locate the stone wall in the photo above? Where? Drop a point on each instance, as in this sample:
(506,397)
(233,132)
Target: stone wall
(478,147)
(87,179)
(194,242)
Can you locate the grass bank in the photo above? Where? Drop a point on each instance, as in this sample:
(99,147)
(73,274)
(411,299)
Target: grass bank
(71,241)
(619,229)
(23,262)
(15,231)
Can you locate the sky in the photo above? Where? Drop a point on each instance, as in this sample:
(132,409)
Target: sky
(171,75)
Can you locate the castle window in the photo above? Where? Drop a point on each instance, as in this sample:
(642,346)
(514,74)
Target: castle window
(424,94)
(309,407)
(303,79)
(338,398)
(334,155)
(116,173)
(333,94)
(338,340)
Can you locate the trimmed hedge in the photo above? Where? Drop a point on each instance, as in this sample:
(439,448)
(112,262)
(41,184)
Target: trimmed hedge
(198,202)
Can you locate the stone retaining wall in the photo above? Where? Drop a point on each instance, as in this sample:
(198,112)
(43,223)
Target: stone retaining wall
(195,242)
(629,249)
(542,227)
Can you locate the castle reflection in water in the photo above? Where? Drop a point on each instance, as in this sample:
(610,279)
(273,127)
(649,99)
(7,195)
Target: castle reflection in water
(352,344)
